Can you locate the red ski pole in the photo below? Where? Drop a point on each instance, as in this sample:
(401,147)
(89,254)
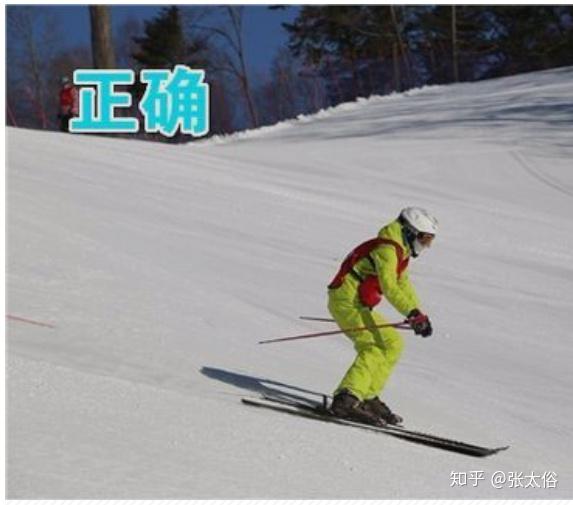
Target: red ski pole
(403,325)
(29,321)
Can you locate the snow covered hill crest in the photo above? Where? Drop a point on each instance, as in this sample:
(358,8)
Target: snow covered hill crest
(160,267)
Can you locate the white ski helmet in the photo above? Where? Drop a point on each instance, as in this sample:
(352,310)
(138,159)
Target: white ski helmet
(419,228)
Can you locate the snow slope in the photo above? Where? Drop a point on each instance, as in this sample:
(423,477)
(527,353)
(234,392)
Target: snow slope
(162,266)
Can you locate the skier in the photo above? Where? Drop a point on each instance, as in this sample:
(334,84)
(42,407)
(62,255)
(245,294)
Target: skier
(375,268)
(68,103)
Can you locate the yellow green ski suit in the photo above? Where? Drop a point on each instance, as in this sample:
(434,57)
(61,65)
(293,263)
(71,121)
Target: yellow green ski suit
(377,350)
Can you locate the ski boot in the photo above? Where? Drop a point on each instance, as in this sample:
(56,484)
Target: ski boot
(347,406)
(378,408)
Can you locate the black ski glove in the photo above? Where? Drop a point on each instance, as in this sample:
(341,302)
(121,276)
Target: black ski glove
(420,323)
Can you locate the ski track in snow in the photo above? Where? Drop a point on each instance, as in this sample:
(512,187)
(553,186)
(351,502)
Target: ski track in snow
(161,266)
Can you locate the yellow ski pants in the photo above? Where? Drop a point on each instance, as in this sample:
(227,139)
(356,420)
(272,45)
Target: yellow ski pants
(377,350)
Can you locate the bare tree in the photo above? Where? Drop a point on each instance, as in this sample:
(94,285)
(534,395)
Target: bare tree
(233,59)
(291,89)
(455,45)
(11,119)
(401,45)
(33,36)
(221,109)
(284,83)
(312,89)
(102,43)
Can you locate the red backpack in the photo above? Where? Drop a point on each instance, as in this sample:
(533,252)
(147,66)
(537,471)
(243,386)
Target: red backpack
(369,290)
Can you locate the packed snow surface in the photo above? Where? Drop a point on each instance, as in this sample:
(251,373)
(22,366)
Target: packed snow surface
(161,267)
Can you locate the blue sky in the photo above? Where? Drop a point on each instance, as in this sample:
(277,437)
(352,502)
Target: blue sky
(262,27)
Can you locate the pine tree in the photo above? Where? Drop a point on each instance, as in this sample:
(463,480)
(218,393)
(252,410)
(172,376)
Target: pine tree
(453,43)
(533,37)
(349,45)
(164,44)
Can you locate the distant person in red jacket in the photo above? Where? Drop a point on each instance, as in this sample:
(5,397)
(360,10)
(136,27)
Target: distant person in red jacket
(69,106)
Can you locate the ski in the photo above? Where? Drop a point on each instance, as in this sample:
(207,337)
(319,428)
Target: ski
(317,411)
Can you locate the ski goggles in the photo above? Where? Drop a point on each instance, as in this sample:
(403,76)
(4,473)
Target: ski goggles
(425,238)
